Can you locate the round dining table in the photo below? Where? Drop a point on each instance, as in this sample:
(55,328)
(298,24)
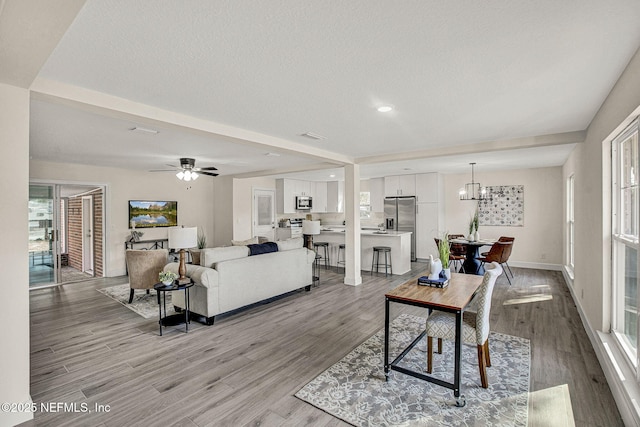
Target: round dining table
(471,265)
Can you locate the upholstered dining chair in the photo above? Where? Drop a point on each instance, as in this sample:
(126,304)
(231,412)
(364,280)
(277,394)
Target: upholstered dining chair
(475,325)
(499,252)
(144,266)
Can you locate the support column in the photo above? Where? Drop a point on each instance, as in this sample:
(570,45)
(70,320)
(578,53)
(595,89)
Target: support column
(14,184)
(352,217)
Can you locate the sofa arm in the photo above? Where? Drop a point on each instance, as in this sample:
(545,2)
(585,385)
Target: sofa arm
(204,276)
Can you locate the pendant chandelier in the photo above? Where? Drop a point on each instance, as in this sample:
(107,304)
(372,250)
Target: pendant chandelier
(473,190)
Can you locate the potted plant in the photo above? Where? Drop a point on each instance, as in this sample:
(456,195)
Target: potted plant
(202,243)
(444,251)
(167,277)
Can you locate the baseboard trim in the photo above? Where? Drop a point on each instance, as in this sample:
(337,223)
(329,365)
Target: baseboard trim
(536,265)
(625,391)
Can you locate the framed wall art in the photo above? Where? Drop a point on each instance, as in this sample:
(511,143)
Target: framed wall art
(505,207)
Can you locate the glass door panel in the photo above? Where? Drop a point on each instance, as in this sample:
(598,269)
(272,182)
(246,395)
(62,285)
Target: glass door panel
(43,252)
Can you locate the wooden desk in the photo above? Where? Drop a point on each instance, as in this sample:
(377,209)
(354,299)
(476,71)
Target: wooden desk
(453,299)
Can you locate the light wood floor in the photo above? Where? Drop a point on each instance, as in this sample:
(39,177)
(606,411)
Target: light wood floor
(245,369)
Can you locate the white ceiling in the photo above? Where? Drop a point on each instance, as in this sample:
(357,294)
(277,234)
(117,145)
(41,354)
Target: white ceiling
(460,74)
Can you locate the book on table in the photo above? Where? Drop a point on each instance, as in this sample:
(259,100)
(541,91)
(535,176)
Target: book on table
(440,282)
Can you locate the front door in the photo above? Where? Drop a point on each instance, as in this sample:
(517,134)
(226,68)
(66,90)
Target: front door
(264,213)
(87,234)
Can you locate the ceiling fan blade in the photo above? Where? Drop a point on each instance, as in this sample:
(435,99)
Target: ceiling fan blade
(210,168)
(162,170)
(208,173)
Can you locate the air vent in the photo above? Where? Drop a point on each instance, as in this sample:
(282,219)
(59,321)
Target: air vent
(143,130)
(312,135)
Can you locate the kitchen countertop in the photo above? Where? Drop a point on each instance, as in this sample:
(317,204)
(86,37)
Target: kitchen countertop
(371,232)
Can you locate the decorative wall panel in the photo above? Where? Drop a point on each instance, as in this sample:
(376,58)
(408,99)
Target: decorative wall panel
(505,208)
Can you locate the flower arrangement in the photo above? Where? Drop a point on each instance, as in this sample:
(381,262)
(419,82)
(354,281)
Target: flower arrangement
(135,235)
(167,276)
(474,222)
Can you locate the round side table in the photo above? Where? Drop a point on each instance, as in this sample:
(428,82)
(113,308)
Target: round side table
(174,319)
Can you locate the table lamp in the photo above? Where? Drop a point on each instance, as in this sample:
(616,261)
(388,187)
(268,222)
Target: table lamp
(182,238)
(310,229)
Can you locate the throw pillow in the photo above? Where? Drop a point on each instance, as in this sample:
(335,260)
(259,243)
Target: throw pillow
(293,243)
(251,241)
(262,248)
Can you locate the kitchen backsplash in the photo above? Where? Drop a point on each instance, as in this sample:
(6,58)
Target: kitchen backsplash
(376,219)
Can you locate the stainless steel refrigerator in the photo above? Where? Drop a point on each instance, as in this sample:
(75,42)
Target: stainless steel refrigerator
(400,215)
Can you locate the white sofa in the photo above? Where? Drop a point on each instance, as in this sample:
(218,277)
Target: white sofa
(229,278)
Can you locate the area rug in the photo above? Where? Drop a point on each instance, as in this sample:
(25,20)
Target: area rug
(354,389)
(146,305)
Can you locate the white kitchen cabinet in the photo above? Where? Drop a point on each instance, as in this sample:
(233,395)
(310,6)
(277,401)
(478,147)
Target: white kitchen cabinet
(335,196)
(429,188)
(319,202)
(287,190)
(400,185)
(376,190)
(427,228)
(303,188)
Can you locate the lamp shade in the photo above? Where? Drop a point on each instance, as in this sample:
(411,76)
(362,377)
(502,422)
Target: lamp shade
(183,237)
(310,227)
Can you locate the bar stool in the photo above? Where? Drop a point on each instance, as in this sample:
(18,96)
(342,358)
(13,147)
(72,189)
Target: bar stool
(341,261)
(325,256)
(375,262)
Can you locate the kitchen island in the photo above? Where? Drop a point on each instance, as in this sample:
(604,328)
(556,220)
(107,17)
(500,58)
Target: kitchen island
(398,241)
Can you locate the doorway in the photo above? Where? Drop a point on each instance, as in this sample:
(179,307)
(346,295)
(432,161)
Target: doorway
(264,213)
(65,233)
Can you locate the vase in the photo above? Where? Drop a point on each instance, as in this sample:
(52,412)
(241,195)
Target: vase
(471,237)
(476,236)
(447,273)
(167,282)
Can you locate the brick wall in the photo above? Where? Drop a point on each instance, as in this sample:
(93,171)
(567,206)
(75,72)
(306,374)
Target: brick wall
(75,233)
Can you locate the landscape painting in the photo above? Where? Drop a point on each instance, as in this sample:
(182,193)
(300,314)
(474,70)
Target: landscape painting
(145,214)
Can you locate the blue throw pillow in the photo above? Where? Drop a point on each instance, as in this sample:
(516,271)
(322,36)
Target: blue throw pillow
(262,248)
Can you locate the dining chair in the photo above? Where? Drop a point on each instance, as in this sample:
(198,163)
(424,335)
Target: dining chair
(458,252)
(499,253)
(475,325)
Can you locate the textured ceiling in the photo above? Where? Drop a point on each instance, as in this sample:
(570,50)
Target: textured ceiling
(458,73)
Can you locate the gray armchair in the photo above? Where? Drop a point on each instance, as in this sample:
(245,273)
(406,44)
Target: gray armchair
(144,266)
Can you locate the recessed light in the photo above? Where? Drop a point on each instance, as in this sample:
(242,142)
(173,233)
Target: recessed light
(385,108)
(333,175)
(143,130)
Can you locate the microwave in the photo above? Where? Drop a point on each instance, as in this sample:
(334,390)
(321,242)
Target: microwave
(303,203)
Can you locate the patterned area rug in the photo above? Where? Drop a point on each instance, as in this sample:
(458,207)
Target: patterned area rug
(143,304)
(354,389)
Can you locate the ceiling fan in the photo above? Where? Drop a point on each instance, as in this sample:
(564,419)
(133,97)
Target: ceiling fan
(187,170)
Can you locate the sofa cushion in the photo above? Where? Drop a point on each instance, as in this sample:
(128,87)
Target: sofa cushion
(251,241)
(262,248)
(292,243)
(211,256)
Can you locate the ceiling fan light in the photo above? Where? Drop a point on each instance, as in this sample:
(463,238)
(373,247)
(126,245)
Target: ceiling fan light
(180,175)
(194,176)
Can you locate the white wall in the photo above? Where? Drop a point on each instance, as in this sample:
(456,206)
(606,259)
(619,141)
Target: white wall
(592,280)
(14,262)
(539,242)
(222,212)
(243,204)
(195,201)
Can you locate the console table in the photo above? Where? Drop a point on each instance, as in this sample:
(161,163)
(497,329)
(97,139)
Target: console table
(152,244)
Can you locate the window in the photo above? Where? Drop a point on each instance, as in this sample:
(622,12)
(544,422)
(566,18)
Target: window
(570,224)
(625,240)
(365,204)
